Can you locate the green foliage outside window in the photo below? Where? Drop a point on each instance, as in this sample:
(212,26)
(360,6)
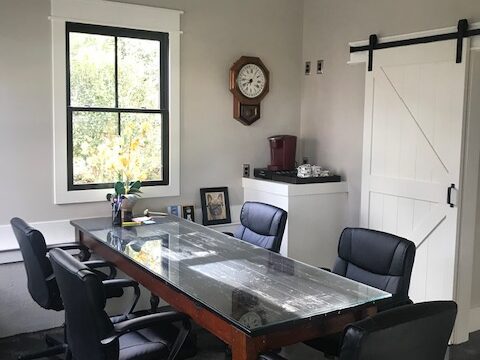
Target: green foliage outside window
(112,146)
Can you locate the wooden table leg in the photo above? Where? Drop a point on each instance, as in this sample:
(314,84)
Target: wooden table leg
(244,347)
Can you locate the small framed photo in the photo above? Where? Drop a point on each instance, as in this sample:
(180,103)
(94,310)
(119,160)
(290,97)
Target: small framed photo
(175,210)
(215,206)
(189,212)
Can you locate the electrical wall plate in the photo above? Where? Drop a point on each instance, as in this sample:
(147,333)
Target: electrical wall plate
(320,64)
(308,67)
(246,170)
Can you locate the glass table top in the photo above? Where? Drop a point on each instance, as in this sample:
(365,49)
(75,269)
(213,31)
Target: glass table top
(251,287)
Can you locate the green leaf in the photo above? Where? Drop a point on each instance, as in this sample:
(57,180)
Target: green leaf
(119,188)
(134,192)
(135,185)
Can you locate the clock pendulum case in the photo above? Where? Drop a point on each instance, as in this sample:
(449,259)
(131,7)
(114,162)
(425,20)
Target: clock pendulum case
(249,83)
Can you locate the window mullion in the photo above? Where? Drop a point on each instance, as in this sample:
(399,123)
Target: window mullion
(116,85)
(123,110)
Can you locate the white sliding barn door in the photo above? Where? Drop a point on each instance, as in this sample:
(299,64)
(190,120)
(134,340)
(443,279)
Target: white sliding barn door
(414,110)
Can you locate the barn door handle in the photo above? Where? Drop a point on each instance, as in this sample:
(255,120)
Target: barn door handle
(449,195)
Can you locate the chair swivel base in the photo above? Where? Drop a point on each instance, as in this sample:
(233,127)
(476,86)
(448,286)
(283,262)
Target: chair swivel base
(55,347)
(51,351)
(52,341)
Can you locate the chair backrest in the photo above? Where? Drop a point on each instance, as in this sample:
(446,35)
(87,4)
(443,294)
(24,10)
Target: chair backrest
(414,332)
(377,259)
(84,300)
(41,282)
(262,225)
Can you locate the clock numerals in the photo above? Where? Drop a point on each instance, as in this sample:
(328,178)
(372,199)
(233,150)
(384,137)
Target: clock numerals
(251,80)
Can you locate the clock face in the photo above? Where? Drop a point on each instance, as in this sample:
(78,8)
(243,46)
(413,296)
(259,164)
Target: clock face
(251,80)
(251,320)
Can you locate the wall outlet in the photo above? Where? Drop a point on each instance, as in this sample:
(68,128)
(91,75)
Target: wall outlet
(308,67)
(320,66)
(246,170)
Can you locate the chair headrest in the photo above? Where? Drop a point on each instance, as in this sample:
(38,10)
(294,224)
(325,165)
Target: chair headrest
(375,251)
(83,296)
(264,219)
(26,235)
(424,330)
(408,314)
(67,268)
(41,285)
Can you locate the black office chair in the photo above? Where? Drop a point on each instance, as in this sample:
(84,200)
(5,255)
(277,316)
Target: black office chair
(262,225)
(414,332)
(42,285)
(374,258)
(93,335)
(378,259)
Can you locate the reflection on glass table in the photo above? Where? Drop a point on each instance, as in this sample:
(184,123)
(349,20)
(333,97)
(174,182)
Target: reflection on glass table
(251,287)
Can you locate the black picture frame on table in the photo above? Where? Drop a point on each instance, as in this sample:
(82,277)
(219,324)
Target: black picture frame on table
(188,212)
(215,206)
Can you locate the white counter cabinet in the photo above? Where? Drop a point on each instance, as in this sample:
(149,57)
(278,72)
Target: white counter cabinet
(316,216)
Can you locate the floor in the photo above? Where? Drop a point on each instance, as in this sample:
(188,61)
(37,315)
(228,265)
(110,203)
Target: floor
(212,349)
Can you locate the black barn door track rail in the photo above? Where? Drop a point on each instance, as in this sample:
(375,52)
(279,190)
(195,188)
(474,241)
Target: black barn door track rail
(461,33)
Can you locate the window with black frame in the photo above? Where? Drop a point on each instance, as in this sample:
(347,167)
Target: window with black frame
(117,106)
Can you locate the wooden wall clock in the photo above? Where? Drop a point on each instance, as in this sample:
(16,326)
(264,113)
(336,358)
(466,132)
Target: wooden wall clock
(249,83)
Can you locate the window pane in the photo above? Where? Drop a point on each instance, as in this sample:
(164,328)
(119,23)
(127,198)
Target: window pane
(142,146)
(95,147)
(92,70)
(138,73)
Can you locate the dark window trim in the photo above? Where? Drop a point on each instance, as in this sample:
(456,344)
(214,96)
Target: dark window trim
(164,98)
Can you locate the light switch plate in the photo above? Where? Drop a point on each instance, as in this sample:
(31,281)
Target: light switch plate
(320,66)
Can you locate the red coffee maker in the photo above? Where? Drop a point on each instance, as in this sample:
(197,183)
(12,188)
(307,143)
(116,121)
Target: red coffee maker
(282,152)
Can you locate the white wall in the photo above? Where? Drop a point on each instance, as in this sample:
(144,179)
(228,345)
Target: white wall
(214,145)
(332,104)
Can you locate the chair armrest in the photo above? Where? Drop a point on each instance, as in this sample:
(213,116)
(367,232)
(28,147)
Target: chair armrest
(148,320)
(96,264)
(84,252)
(124,283)
(66,246)
(143,322)
(228,233)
